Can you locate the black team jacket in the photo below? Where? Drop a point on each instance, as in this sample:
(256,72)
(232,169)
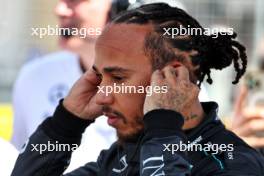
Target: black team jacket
(159,151)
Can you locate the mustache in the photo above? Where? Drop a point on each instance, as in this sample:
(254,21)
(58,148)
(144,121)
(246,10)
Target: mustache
(107,109)
(66,33)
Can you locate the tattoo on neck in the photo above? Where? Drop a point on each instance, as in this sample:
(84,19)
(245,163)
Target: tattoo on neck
(192,116)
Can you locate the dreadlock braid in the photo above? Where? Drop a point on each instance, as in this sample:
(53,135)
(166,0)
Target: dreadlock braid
(211,53)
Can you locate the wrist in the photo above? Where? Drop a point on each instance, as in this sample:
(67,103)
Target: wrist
(62,116)
(163,119)
(163,123)
(68,106)
(65,126)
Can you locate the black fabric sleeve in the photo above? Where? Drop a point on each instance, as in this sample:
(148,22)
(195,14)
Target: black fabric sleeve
(162,130)
(64,126)
(49,149)
(162,123)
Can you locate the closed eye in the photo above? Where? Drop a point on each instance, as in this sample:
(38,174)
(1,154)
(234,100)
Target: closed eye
(118,78)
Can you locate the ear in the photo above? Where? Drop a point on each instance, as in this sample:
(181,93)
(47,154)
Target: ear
(190,68)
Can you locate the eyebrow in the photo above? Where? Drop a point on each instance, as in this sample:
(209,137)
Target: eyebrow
(113,69)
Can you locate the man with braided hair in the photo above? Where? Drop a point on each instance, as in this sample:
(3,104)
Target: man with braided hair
(157,134)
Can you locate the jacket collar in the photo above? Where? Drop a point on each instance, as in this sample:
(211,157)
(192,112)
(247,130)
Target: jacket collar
(208,127)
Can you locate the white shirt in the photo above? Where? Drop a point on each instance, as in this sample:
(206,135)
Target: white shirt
(8,155)
(37,91)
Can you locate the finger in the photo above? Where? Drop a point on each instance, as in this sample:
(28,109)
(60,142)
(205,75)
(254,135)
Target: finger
(240,101)
(170,74)
(92,78)
(156,78)
(252,127)
(254,113)
(182,73)
(87,82)
(247,115)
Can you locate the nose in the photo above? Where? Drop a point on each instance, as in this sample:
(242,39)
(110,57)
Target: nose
(104,97)
(62,9)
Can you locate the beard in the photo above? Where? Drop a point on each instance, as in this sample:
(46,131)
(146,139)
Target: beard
(136,129)
(67,34)
(130,130)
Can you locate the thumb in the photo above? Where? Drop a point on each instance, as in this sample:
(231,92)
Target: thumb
(156,78)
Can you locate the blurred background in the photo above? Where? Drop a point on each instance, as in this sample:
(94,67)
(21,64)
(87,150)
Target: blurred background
(18,46)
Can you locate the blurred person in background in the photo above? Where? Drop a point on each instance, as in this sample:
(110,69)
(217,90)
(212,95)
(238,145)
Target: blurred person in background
(248,118)
(42,82)
(7,151)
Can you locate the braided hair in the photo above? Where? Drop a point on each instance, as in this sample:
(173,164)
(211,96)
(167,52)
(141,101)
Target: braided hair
(204,51)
